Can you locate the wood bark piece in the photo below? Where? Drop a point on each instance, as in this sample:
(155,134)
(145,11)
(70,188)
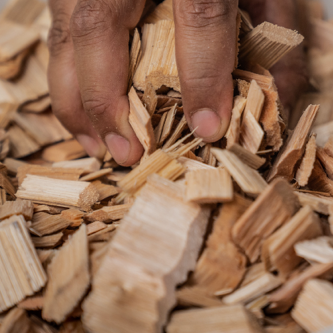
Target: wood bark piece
(16,320)
(46,224)
(140,121)
(58,192)
(134,57)
(270,117)
(158,62)
(108,214)
(141,275)
(21,272)
(304,172)
(255,101)
(313,309)
(15,38)
(43,171)
(226,319)
(252,160)
(17,207)
(251,133)
(209,186)
(68,277)
(64,151)
(88,165)
(233,132)
(284,165)
(274,207)
(254,289)
(43,128)
(326,161)
(319,250)
(267,43)
(284,298)
(318,203)
(278,250)
(247,178)
(221,265)
(47,241)
(319,181)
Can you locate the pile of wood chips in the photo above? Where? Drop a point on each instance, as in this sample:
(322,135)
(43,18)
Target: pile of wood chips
(234,236)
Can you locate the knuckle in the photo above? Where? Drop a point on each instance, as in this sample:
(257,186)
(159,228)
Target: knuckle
(59,34)
(95,108)
(200,13)
(93,17)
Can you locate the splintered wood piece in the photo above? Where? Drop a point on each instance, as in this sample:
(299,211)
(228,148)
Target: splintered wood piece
(158,62)
(326,161)
(255,101)
(96,174)
(21,144)
(103,235)
(318,203)
(88,165)
(193,165)
(64,151)
(252,160)
(58,192)
(304,172)
(47,241)
(16,320)
(21,272)
(43,128)
(108,214)
(319,181)
(33,303)
(149,99)
(319,250)
(6,185)
(233,132)
(270,118)
(22,11)
(278,250)
(290,154)
(43,171)
(167,126)
(251,133)
(207,155)
(46,224)
(314,307)
(275,206)
(158,162)
(146,264)
(68,277)
(17,207)
(134,57)
(37,106)
(15,38)
(267,43)
(192,296)
(209,186)
(226,319)
(249,180)
(140,120)
(105,191)
(284,298)
(95,227)
(176,133)
(221,265)
(73,215)
(162,12)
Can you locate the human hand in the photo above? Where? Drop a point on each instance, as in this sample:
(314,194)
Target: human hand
(89,66)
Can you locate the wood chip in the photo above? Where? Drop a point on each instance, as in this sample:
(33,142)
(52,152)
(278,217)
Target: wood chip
(274,207)
(21,272)
(58,192)
(96,174)
(46,224)
(255,101)
(16,320)
(47,241)
(95,227)
(319,181)
(318,203)
(68,277)
(108,214)
(88,165)
(18,207)
(134,57)
(326,161)
(209,186)
(252,160)
(247,178)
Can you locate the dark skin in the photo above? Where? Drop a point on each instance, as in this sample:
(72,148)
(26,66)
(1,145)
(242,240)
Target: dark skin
(89,66)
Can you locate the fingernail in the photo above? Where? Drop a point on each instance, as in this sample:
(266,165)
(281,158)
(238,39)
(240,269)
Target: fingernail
(207,122)
(91,146)
(118,146)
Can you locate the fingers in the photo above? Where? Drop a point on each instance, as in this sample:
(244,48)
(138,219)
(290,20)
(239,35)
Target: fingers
(64,89)
(100,32)
(205,52)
